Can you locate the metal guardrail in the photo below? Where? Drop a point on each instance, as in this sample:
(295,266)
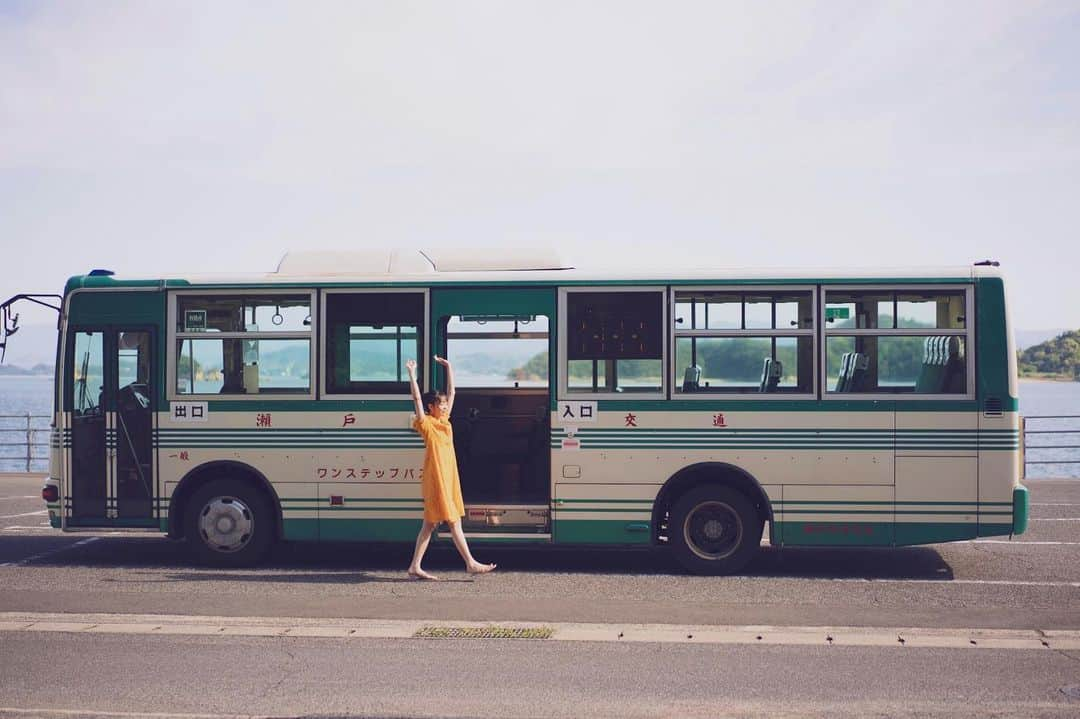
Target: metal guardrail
(21,436)
(1064,442)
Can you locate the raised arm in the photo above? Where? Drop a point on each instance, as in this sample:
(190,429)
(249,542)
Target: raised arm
(449,381)
(410,365)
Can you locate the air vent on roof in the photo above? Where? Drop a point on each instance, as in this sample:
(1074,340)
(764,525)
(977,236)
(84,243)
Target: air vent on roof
(488,259)
(354,262)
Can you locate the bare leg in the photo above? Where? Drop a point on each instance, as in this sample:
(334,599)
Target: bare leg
(422,541)
(471,565)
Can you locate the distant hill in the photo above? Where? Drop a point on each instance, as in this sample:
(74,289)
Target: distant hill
(31,345)
(16,371)
(1030,338)
(1058,357)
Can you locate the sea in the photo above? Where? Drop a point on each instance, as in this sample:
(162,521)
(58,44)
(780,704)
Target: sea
(1052,410)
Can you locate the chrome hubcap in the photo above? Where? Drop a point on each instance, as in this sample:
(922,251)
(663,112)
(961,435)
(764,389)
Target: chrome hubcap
(226,524)
(713,530)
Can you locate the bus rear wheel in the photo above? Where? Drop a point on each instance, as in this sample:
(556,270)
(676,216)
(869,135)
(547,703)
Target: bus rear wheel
(714,530)
(228,523)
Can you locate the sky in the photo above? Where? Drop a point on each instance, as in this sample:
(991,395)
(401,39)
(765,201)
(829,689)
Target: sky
(167,137)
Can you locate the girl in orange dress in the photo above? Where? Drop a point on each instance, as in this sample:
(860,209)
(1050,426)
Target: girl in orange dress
(440,483)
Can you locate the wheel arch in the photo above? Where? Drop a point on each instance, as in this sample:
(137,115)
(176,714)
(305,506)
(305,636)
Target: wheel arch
(709,473)
(210,471)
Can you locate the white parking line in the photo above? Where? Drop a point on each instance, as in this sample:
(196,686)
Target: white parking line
(16,711)
(38,527)
(939,582)
(1055,504)
(25,514)
(43,555)
(1006,541)
(992,582)
(25,496)
(1060,519)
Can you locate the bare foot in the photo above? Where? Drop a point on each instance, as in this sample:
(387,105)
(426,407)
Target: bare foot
(480,568)
(421,574)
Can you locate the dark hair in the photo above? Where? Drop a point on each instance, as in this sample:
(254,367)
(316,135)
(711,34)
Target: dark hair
(430,398)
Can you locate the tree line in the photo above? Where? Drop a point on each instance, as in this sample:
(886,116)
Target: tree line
(1059,357)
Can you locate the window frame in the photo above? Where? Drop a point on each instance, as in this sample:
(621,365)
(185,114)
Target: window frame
(968,333)
(424,333)
(172,336)
(562,310)
(812,332)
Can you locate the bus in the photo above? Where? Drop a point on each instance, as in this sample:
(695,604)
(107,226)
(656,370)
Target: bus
(706,411)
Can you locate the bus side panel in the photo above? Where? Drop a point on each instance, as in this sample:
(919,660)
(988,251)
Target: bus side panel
(335,483)
(838,514)
(937,490)
(840,490)
(999,419)
(56,435)
(603,513)
(384,510)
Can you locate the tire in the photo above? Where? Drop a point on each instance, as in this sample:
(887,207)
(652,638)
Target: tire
(714,530)
(229,523)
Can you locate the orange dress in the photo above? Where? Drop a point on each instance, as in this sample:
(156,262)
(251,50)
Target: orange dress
(441,484)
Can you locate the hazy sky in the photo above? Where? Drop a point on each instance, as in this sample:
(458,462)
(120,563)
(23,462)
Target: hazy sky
(158,137)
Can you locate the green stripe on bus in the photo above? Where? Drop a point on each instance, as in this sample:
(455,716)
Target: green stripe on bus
(604,501)
(601,531)
(625,510)
(891,511)
(345,529)
(890,503)
(338,507)
(412,500)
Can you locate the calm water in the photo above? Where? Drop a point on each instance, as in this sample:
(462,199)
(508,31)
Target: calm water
(1051,399)
(19,395)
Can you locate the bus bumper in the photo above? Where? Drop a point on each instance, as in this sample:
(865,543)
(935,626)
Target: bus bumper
(1020,509)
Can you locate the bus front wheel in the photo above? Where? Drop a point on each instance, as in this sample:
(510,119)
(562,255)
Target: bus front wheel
(714,530)
(229,523)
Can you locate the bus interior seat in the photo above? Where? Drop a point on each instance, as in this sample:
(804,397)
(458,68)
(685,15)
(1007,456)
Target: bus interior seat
(941,366)
(853,367)
(770,375)
(842,379)
(860,363)
(691,378)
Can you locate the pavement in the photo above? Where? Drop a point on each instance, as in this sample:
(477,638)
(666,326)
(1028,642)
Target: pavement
(123,624)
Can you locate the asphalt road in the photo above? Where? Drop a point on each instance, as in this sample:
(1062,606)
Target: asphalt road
(1030,583)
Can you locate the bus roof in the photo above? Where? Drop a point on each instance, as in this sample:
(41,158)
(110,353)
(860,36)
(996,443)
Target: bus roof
(487,266)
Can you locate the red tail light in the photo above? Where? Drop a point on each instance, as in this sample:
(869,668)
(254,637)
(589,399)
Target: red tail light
(50,493)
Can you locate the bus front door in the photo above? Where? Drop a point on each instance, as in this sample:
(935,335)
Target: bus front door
(500,342)
(109,393)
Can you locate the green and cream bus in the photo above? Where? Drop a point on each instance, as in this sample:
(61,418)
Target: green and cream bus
(688,408)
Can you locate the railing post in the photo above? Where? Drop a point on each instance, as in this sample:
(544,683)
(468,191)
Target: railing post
(1023,447)
(29,442)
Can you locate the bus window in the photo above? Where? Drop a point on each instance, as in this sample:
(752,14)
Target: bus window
(240,366)
(369,337)
(243,313)
(243,344)
(615,341)
(744,342)
(896,342)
